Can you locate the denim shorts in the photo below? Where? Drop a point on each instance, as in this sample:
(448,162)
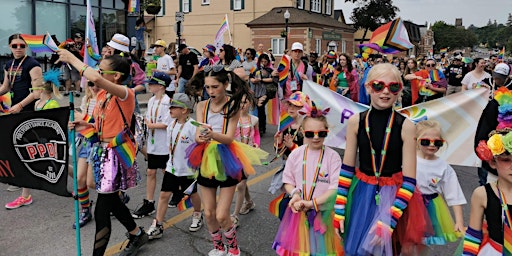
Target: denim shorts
(85,151)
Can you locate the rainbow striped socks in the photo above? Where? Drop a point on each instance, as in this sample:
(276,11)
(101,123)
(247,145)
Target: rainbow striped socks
(83,197)
(472,241)
(403,195)
(344,181)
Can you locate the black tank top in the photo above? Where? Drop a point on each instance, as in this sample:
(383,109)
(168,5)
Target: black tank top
(493,215)
(378,121)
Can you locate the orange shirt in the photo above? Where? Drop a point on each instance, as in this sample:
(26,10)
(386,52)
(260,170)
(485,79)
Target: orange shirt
(113,121)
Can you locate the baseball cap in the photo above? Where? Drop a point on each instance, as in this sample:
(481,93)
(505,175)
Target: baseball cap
(159,42)
(298,99)
(181,100)
(78,35)
(160,78)
(120,42)
(297,46)
(210,48)
(181,47)
(502,69)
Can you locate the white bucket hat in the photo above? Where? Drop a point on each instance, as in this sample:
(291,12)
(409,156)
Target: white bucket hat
(120,42)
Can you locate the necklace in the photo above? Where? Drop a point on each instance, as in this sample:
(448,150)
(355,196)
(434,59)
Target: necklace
(304,171)
(376,166)
(173,145)
(100,116)
(12,76)
(42,108)
(154,118)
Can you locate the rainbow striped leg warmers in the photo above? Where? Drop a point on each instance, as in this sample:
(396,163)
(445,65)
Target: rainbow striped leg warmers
(403,195)
(344,181)
(472,241)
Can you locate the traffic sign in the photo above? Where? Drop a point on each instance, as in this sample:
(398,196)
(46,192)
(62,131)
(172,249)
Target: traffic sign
(180,16)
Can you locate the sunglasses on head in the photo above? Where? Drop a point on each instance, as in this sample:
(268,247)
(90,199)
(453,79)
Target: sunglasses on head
(393,87)
(18,46)
(312,134)
(430,65)
(429,142)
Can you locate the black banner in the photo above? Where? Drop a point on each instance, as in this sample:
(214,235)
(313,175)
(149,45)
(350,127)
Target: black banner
(34,150)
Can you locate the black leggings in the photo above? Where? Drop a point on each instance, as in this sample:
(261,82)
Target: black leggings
(262,117)
(106,204)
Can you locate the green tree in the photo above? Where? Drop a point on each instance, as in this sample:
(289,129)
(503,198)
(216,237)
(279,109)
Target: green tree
(371,14)
(452,37)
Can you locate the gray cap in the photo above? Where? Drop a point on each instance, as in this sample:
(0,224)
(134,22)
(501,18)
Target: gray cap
(181,100)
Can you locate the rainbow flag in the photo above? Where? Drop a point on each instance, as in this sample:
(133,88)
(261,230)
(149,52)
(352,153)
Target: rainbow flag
(89,119)
(185,203)
(273,111)
(443,50)
(283,69)
(501,54)
(219,37)
(40,43)
(253,69)
(92,55)
(133,6)
(277,207)
(391,37)
(285,121)
(124,147)
(436,75)
(5,102)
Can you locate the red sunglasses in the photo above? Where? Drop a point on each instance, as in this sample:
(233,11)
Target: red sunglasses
(393,87)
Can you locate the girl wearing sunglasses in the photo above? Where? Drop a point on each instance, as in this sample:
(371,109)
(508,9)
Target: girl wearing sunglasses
(382,189)
(311,178)
(21,73)
(427,84)
(438,184)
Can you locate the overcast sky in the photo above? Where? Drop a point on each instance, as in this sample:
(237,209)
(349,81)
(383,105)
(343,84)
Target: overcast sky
(476,12)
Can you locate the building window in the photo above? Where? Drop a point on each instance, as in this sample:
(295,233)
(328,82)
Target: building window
(277,45)
(186,6)
(300,4)
(237,5)
(318,46)
(316,6)
(343,46)
(205,2)
(328,7)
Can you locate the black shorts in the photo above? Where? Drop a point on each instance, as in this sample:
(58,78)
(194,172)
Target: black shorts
(157,161)
(213,183)
(176,184)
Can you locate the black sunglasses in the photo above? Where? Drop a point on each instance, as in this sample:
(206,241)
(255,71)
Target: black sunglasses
(22,46)
(311,134)
(90,84)
(430,65)
(429,142)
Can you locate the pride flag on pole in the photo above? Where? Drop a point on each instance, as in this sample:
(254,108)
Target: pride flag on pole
(443,50)
(273,111)
(92,53)
(501,54)
(219,37)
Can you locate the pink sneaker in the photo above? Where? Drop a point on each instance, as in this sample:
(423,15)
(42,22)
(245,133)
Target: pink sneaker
(19,202)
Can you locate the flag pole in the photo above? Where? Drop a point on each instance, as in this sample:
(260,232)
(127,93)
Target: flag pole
(229,31)
(75,180)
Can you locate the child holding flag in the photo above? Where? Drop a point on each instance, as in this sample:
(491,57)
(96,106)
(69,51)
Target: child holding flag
(178,176)
(491,200)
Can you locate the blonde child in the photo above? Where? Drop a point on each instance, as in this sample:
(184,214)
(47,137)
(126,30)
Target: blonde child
(157,118)
(247,132)
(381,190)
(44,93)
(178,176)
(437,182)
(311,178)
(490,202)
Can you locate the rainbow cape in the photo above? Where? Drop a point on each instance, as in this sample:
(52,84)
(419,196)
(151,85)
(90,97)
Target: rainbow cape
(40,43)
(283,69)
(125,148)
(285,121)
(278,206)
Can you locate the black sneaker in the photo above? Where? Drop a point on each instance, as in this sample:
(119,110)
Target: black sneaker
(85,217)
(134,243)
(146,209)
(175,200)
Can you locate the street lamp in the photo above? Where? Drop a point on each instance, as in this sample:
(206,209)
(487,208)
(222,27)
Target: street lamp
(286,18)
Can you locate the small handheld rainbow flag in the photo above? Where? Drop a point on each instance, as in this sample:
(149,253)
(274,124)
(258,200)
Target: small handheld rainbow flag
(283,69)
(443,50)
(277,207)
(185,203)
(40,43)
(436,75)
(285,121)
(253,69)
(124,147)
(501,54)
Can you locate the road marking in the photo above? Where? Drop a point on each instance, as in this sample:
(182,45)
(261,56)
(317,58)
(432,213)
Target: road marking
(114,249)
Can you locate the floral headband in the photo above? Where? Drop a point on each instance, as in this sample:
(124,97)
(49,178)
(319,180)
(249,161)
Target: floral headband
(313,111)
(500,140)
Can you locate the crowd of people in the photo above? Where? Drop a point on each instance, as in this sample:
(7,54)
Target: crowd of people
(382,207)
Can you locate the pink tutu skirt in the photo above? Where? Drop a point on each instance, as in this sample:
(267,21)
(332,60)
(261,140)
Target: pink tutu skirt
(307,234)
(109,174)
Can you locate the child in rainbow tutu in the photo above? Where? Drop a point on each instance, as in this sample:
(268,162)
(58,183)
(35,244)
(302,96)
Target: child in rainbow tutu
(491,200)
(385,214)
(222,162)
(437,182)
(310,177)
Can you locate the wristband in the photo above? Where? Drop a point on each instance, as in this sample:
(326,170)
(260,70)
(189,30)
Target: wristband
(296,191)
(83,69)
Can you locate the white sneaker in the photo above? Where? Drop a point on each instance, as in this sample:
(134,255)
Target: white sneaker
(216,252)
(197,222)
(13,188)
(155,231)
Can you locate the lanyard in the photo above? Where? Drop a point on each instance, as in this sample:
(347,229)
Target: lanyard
(506,219)
(12,76)
(225,110)
(376,166)
(154,118)
(101,114)
(317,171)
(173,146)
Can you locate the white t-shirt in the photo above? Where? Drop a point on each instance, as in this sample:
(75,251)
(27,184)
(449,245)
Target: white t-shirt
(437,176)
(186,138)
(470,79)
(166,63)
(158,113)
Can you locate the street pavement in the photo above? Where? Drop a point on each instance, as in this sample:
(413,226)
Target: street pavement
(44,228)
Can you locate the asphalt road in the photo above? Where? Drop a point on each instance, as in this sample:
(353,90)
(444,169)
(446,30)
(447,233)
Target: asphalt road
(44,228)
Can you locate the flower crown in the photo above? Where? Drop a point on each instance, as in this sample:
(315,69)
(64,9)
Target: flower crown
(500,140)
(311,110)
